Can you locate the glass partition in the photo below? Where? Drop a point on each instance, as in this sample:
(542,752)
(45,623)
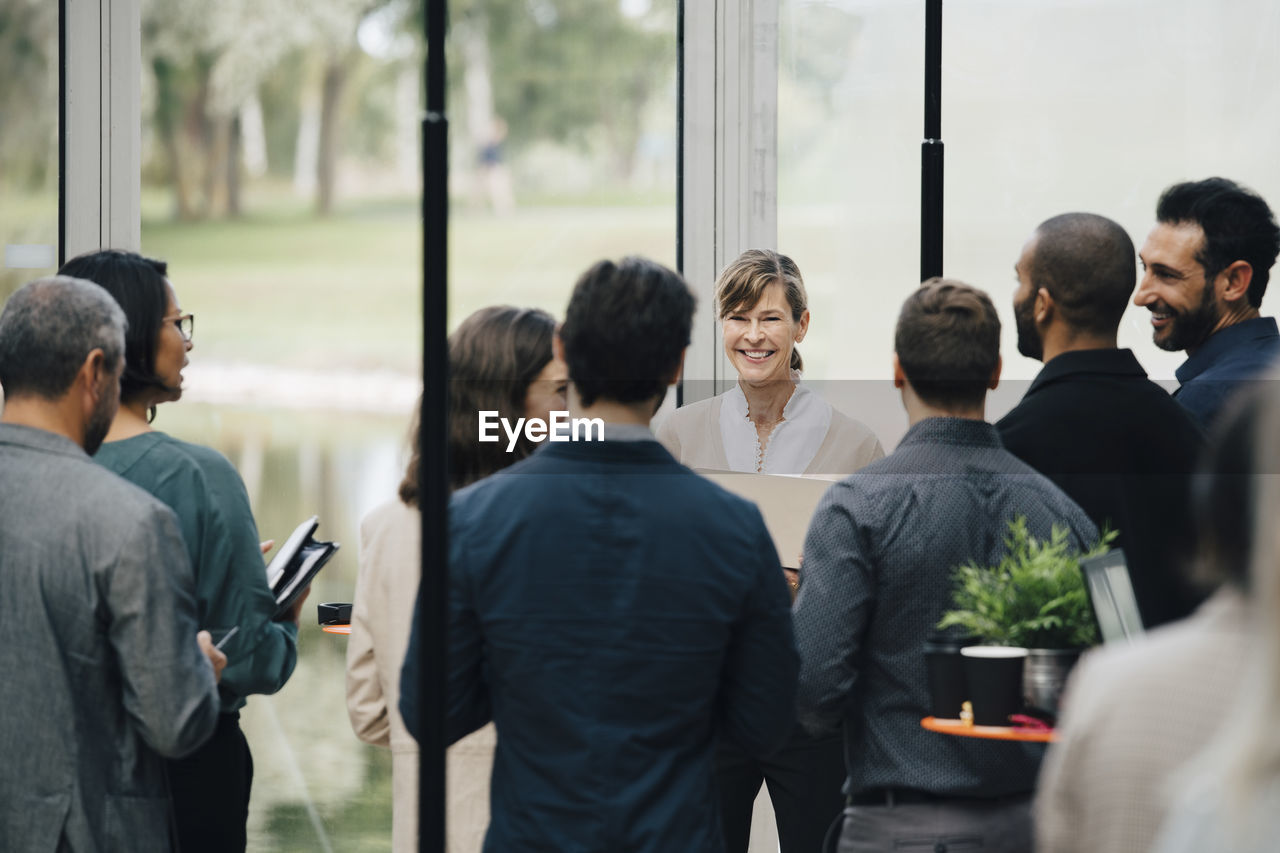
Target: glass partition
(281,183)
(1047,107)
(29,63)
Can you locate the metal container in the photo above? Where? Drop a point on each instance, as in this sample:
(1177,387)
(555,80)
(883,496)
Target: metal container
(1044,675)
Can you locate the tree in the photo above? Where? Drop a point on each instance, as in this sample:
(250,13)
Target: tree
(208,60)
(559,70)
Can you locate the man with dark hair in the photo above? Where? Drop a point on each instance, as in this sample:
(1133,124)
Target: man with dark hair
(612,612)
(877,578)
(1206,266)
(1091,421)
(104,670)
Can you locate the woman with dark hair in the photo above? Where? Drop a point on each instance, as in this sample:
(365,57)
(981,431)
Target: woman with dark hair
(500,360)
(210,788)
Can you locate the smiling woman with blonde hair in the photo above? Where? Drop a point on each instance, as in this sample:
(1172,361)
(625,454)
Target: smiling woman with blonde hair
(770,423)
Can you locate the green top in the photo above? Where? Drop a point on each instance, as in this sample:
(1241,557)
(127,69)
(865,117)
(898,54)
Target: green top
(206,493)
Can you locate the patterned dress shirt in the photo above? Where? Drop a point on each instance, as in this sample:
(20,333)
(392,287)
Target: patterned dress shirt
(877,577)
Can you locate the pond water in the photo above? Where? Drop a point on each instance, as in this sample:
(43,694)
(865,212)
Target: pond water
(315,787)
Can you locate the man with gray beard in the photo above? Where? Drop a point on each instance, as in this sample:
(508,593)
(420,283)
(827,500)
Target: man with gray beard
(104,670)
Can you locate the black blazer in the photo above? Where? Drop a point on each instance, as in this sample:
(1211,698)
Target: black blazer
(1124,450)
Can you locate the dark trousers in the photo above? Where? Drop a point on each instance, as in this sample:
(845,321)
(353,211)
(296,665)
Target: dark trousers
(210,791)
(945,826)
(804,778)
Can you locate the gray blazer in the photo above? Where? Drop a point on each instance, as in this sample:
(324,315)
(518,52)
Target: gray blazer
(102,674)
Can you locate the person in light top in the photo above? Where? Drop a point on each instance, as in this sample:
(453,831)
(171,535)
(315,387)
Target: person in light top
(770,423)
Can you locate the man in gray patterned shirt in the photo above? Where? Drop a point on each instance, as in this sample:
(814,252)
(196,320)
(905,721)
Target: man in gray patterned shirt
(877,577)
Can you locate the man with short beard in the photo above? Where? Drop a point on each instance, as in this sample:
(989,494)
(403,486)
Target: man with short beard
(1091,421)
(104,671)
(1206,266)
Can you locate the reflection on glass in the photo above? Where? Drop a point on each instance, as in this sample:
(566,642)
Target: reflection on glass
(28,143)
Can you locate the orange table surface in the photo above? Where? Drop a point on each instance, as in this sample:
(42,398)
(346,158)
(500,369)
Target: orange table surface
(959,728)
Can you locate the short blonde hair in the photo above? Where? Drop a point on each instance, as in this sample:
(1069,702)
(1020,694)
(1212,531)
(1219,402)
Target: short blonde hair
(743,282)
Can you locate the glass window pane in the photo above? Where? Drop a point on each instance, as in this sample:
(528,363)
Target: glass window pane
(1047,107)
(29,65)
(281,183)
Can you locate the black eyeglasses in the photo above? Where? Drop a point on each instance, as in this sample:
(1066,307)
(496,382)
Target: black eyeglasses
(186,324)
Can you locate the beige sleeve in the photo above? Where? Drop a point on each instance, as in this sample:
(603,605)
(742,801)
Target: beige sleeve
(1065,775)
(668,436)
(366,704)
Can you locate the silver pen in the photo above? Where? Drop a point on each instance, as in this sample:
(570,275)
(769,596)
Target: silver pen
(226,637)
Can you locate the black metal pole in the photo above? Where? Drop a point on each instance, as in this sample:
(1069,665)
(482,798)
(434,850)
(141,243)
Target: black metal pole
(433,472)
(931,148)
(680,162)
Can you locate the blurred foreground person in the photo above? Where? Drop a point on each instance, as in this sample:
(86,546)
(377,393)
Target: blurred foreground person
(211,786)
(1134,714)
(103,670)
(500,360)
(1092,421)
(612,611)
(1205,269)
(769,422)
(877,578)
(1228,798)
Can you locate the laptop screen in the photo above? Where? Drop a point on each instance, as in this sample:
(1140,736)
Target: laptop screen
(1111,593)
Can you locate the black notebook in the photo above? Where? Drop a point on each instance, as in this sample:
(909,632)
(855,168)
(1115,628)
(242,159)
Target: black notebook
(298,561)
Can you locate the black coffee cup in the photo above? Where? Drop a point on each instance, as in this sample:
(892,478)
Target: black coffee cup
(945,669)
(994,676)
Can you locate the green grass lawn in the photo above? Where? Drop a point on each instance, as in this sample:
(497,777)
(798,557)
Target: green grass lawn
(285,287)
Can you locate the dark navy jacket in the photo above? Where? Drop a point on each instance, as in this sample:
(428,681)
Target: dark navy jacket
(613,613)
(1228,361)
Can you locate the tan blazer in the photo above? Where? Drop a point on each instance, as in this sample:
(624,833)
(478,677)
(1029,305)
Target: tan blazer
(386,587)
(692,435)
(1133,716)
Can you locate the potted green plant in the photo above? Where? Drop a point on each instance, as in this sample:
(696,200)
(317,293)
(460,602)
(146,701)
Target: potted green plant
(1034,598)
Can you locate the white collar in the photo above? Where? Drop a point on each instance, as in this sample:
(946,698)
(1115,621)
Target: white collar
(793,443)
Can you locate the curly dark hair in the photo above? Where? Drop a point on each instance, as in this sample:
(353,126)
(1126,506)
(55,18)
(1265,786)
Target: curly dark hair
(625,329)
(1237,223)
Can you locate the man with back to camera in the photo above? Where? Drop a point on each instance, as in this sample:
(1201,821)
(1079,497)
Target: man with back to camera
(879,558)
(104,670)
(611,611)
(1206,265)
(1091,421)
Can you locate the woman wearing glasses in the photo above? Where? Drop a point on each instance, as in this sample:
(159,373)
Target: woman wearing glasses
(210,787)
